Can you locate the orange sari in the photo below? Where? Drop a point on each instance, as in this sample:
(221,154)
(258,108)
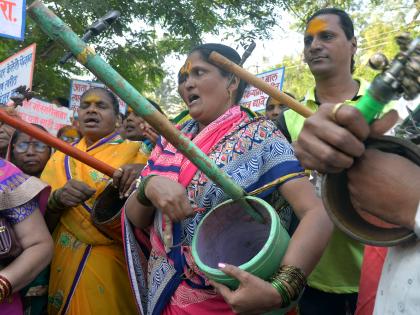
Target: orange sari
(88,271)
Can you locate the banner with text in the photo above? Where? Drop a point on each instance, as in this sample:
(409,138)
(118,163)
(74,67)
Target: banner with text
(78,87)
(254,98)
(15,71)
(48,115)
(12,19)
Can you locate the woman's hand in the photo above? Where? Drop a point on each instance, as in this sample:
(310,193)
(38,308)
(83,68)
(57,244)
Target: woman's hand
(253,296)
(32,234)
(170,197)
(73,193)
(125,176)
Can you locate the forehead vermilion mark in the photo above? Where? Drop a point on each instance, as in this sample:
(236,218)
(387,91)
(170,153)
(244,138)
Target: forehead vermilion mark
(315,26)
(92,98)
(186,68)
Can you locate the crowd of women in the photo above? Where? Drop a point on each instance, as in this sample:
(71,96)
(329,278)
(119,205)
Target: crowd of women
(69,265)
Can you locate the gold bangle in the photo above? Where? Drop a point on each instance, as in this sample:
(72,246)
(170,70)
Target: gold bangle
(292,279)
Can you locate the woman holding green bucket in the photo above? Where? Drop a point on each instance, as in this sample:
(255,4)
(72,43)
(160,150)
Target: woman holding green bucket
(173,197)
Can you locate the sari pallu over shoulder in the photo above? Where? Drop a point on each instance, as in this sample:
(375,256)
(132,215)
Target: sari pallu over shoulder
(253,153)
(88,272)
(17,190)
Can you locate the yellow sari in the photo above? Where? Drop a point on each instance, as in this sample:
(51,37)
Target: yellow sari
(88,270)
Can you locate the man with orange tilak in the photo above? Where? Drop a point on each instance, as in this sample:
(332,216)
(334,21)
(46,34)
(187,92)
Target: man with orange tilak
(329,49)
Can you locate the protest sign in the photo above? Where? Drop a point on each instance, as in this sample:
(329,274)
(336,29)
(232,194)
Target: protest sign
(78,87)
(15,71)
(48,115)
(254,98)
(12,18)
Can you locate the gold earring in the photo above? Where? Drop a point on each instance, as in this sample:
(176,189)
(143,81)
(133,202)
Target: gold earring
(229,94)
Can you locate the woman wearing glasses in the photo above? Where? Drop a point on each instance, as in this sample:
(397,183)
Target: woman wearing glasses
(22,200)
(31,156)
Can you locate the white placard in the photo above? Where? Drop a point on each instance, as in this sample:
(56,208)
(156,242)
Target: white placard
(50,116)
(12,19)
(78,87)
(254,98)
(15,71)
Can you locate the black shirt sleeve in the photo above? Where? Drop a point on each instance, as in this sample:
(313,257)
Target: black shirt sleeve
(281,124)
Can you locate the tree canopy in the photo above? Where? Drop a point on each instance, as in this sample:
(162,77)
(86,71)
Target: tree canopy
(150,30)
(375,33)
(138,42)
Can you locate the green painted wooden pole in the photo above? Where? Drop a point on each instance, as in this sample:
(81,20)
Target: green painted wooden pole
(55,28)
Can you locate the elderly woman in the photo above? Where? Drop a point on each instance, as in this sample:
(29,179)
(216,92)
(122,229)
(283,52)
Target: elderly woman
(88,273)
(31,156)
(28,153)
(22,199)
(247,148)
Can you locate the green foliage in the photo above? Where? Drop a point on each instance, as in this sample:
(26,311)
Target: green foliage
(375,33)
(139,41)
(297,77)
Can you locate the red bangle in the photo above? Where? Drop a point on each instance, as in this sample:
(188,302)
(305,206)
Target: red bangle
(5,284)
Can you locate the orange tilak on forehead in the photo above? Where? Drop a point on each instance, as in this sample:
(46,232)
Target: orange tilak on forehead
(186,68)
(316,26)
(92,98)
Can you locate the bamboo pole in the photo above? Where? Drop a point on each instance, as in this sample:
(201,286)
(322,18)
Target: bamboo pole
(56,29)
(248,77)
(56,143)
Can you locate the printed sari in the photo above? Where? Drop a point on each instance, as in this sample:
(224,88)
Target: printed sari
(20,196)
(253,153)
(88,271)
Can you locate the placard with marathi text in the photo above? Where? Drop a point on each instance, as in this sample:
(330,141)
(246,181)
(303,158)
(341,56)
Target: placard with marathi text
(254,98)
(78,87)
(12,19)
(15,71)
(50,116)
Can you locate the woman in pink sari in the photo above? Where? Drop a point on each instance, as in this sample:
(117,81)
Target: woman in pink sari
(252,151)
(22,199)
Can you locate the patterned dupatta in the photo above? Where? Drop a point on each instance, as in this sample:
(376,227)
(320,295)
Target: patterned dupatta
(252,152)
(167,161)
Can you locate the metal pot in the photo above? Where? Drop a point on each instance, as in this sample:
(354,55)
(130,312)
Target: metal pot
(106,212)
(336,198)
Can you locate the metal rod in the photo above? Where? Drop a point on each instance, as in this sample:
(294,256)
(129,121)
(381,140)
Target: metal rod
(240,72)
(56,143)
(55,28)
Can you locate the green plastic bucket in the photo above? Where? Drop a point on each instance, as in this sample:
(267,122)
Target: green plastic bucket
(227,234)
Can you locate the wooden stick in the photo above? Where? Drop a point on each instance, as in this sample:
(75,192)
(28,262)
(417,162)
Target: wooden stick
(54,142)
(240,72)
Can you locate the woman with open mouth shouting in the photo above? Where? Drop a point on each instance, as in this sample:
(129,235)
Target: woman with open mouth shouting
(253,152)
(88,274)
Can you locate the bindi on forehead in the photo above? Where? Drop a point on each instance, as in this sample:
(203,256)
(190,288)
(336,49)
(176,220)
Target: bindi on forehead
(315,26)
